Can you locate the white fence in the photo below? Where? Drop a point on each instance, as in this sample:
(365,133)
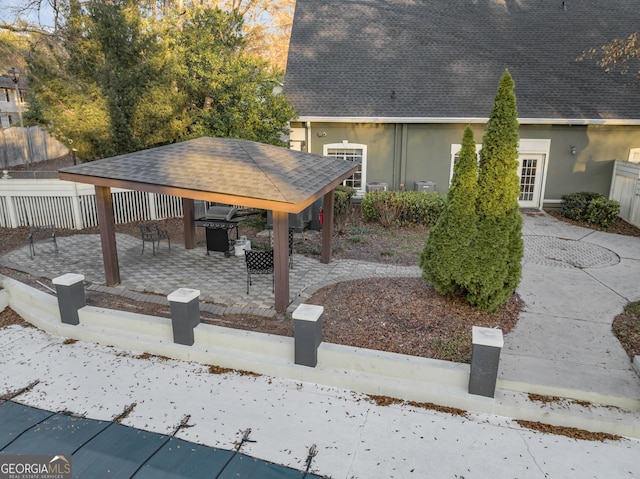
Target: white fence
(625,189)
(73,205)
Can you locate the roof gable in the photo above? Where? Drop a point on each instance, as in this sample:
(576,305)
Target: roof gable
(444,58)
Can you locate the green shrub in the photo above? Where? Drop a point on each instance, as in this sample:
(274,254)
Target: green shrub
(342,200)
(422,208)
(370,204)
(602,211)
(391,208)
(574,205)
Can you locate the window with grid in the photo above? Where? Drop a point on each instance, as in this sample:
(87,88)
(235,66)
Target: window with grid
(5,94)
(350,152)
(528,178)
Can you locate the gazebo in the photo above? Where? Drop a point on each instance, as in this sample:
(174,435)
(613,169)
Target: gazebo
(222,170)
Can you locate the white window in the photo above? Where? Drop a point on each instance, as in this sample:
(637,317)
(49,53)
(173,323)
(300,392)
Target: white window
(351,152)
(634,155)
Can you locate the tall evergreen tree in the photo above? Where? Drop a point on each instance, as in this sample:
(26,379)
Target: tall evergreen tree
(447,260)
(499,247)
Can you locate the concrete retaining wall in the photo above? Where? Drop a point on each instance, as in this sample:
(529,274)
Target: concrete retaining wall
(360,370)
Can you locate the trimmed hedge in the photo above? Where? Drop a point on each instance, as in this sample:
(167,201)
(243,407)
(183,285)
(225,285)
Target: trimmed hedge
(574,205)
(393,208)
(591,207)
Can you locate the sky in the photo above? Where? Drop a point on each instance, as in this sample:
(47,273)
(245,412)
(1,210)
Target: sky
(7,12)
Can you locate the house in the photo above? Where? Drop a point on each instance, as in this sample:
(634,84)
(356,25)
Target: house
(22,145)
(393,83)
(12,100)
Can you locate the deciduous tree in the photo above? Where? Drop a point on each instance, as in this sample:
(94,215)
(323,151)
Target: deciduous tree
(116,79)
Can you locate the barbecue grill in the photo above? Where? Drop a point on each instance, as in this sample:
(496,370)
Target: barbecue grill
(218,221)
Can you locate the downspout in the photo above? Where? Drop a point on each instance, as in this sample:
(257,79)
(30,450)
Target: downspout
(403,156)
(308,128)
(400,157)
(397,155)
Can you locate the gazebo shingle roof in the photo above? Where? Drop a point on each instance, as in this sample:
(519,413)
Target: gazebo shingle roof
(242,169)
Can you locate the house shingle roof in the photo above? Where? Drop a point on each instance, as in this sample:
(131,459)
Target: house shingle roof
(444,58)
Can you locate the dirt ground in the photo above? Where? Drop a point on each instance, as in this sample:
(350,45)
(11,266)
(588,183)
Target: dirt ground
(403,315)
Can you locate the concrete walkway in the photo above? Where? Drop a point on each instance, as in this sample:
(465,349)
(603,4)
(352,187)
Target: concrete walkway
(574,282)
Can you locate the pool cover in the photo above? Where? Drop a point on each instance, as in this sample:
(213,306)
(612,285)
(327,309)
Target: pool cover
(109,449)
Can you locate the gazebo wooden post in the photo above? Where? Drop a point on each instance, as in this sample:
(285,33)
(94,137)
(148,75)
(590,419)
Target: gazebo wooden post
(106,222)
(327,227)
(189,221)
(281,259)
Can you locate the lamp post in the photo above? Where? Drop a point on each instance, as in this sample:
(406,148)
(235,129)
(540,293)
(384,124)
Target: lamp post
(15,73)
(3,143)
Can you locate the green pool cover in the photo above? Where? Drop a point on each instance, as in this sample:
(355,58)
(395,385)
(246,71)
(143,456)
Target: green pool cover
(109,449)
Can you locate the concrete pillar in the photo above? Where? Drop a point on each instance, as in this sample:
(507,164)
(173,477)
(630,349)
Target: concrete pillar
(307,324)
(185,314)
(71,297)
(485,358)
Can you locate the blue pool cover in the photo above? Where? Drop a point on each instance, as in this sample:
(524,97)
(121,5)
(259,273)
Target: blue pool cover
(109,449)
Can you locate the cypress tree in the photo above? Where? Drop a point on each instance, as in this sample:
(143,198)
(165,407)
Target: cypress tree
(499,247)
(447,258)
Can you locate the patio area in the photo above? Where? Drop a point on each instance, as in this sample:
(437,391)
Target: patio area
(222,281)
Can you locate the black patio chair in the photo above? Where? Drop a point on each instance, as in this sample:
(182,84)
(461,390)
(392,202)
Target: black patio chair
(42,233)
(150,231)
(259,262)
(290,248)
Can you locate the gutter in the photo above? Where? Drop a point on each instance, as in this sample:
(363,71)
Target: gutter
(468,120)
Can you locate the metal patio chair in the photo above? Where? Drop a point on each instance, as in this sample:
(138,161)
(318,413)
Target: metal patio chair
(259,262)
(150,231)
(42,233)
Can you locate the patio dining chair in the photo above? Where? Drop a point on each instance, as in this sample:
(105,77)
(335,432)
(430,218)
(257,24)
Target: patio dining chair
(42,233)
(290,248)
(259,262)
(150,231)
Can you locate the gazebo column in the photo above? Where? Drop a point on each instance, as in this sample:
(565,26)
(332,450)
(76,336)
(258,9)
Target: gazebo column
(189,221)
(281,259)
(327,227)
(106,222)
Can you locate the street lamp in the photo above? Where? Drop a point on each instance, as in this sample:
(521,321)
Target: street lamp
(15,73)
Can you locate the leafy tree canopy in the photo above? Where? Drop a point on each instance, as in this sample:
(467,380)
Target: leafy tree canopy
(115,78)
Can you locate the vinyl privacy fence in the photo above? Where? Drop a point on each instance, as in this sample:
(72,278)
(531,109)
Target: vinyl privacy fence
(33,141)
(73,205)
(625,189)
